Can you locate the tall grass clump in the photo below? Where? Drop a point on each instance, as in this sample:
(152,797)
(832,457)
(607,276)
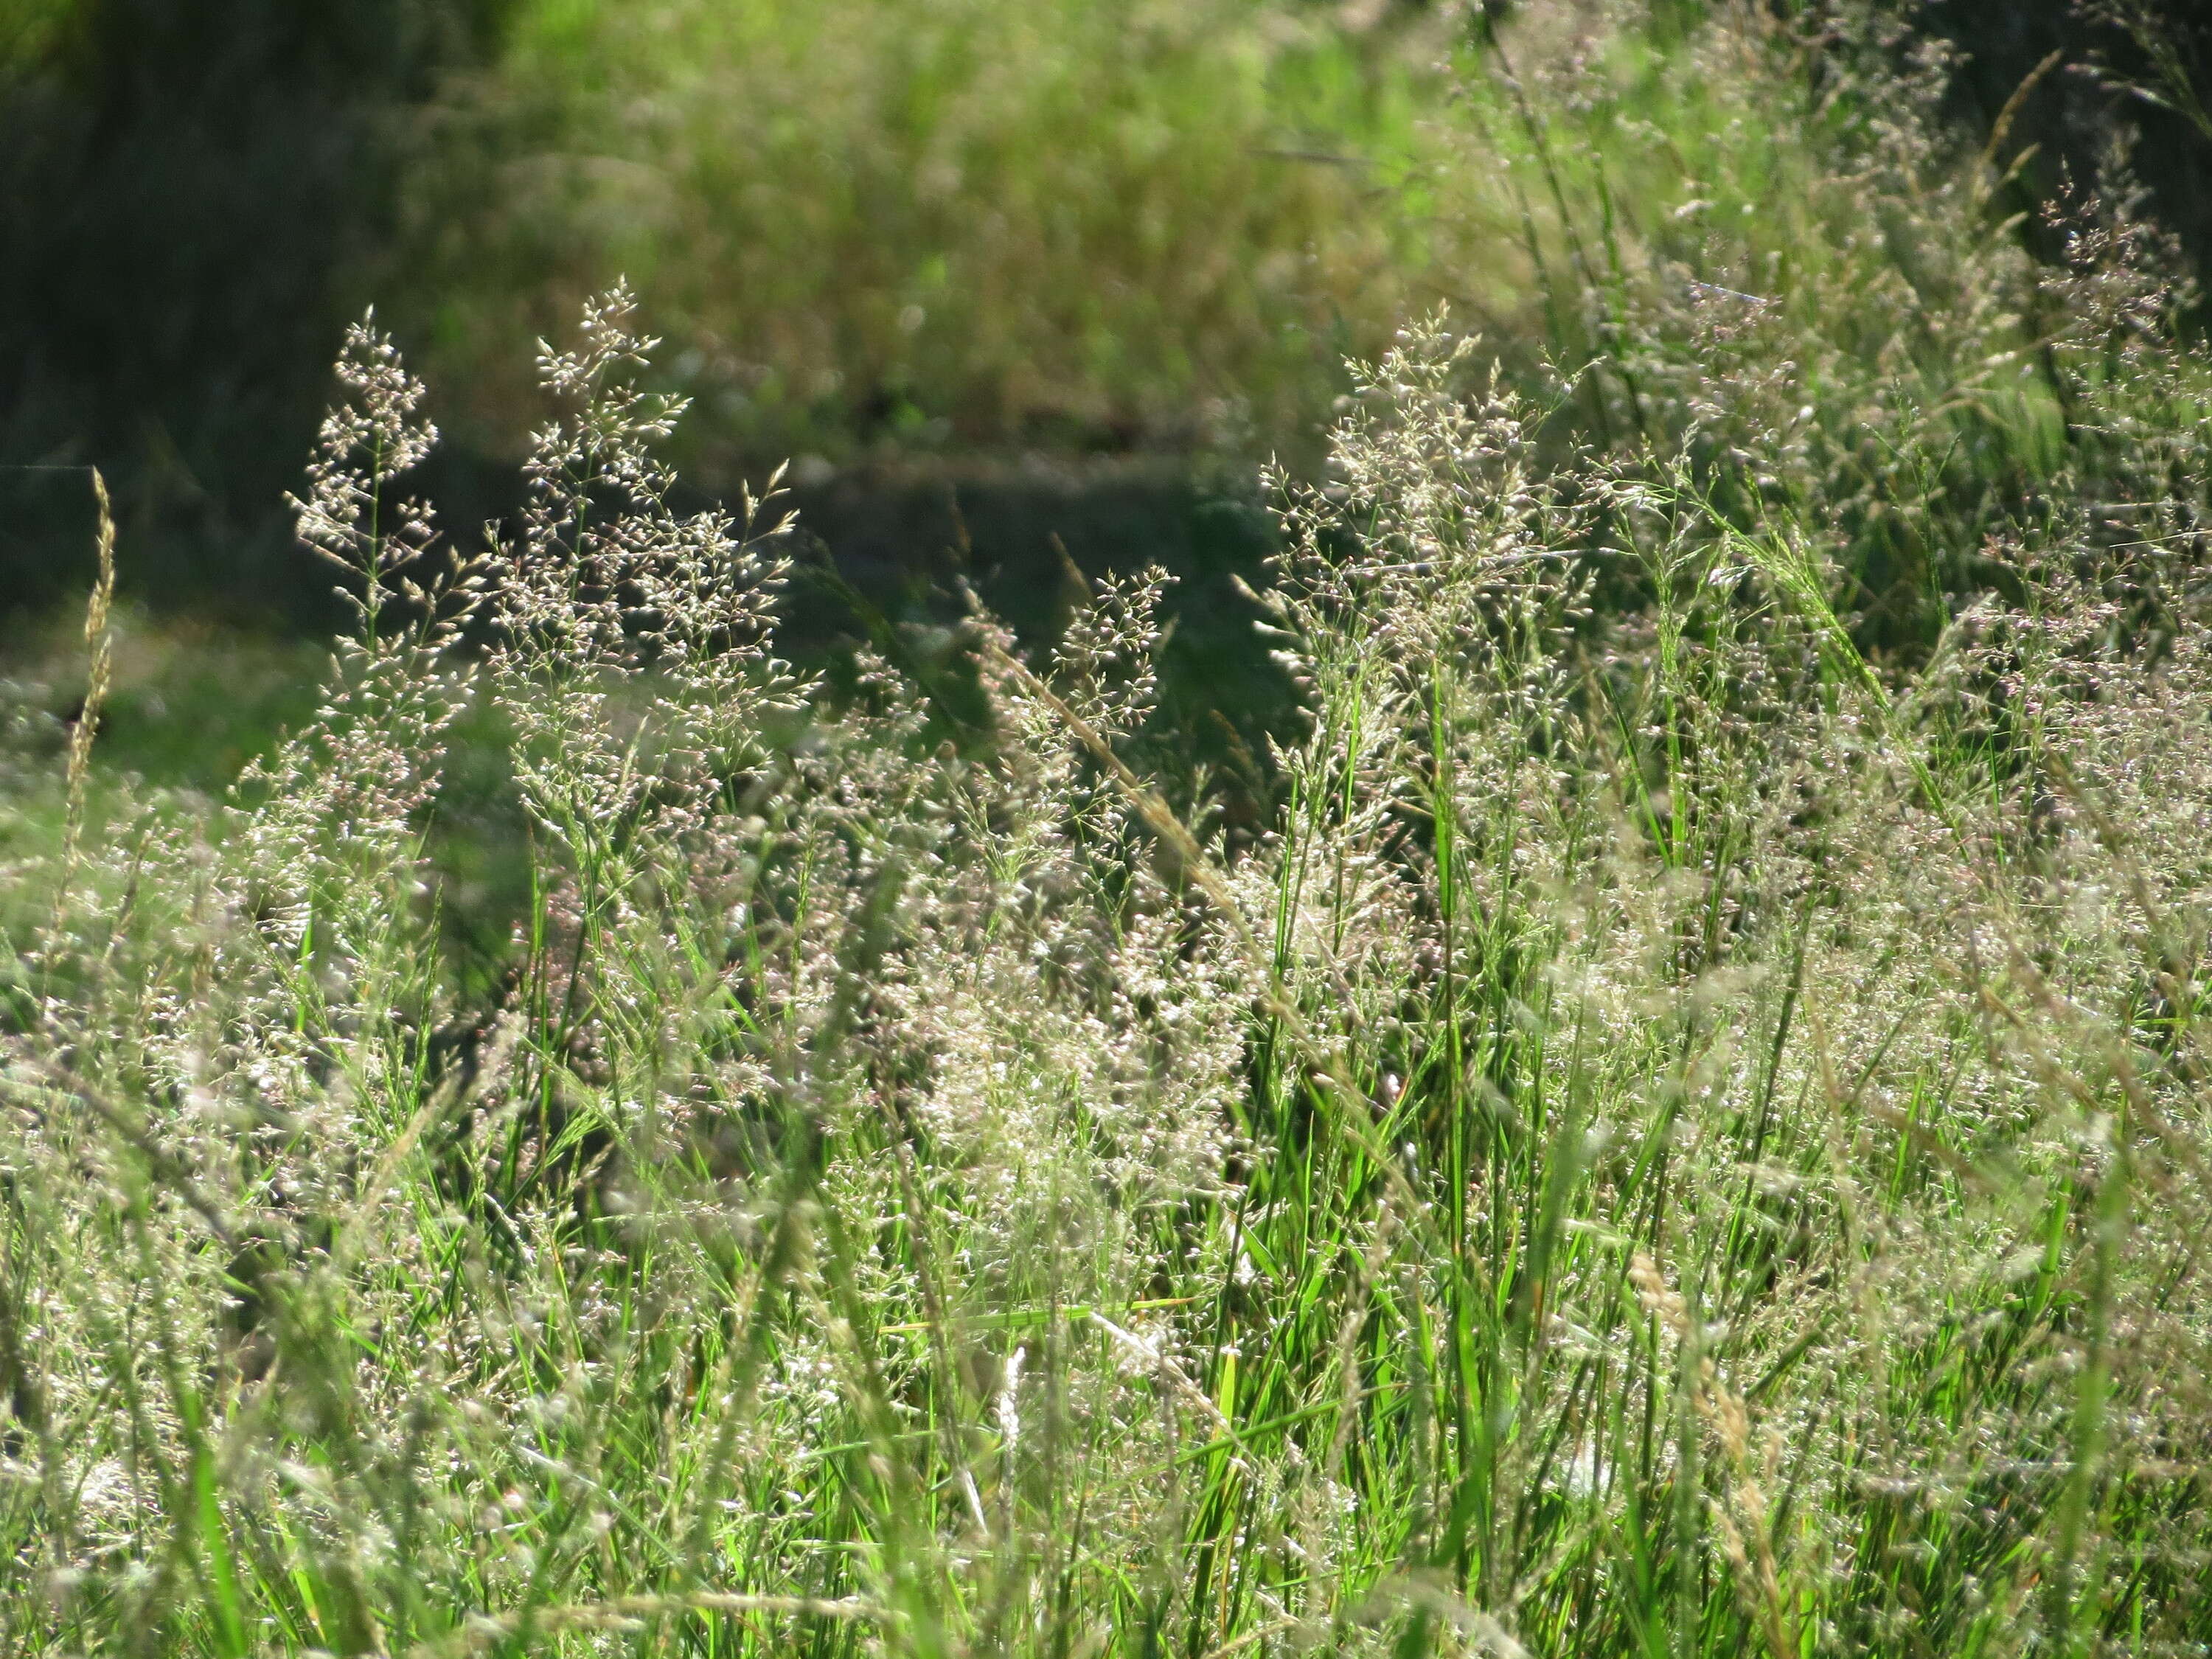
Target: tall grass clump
(1747,237)
(1679,1138)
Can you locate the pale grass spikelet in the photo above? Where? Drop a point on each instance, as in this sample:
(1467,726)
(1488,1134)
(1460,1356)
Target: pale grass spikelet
(100,669)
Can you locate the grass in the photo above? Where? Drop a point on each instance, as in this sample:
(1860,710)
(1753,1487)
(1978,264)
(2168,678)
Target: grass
(1164,230)
(1671,1121)
(943,227)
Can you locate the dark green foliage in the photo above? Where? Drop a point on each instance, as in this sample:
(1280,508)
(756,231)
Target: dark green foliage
(197,197)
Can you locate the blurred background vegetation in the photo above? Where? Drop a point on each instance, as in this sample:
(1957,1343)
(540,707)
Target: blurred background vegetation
(947,237)
(1012,282)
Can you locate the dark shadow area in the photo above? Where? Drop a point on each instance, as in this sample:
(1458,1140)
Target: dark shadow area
(195,197)
(2123,92)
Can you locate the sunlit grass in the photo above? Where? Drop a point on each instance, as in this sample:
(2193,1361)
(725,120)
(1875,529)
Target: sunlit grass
(959,223)
(1673,1120)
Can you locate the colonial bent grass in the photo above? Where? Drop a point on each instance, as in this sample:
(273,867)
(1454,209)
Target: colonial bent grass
(1675,1142)
(1670,1138)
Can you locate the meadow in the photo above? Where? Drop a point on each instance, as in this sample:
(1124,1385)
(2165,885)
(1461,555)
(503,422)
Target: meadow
(1647,1099)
